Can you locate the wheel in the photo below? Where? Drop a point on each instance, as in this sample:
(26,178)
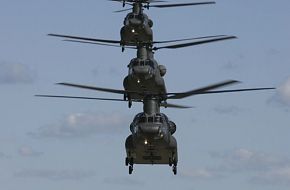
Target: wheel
(174,169)
(130,169)
(175,163)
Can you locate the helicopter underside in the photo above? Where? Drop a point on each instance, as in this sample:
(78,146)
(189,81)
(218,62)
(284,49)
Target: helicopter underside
(135,35)
(151,152)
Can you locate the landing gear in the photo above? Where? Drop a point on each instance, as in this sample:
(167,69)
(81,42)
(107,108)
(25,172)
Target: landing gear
(130,169)
(173,164)
(129,103)
(129,161)
(174,169)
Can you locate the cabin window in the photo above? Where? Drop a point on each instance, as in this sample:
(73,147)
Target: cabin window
(158,119)
(150,120)
(142,120)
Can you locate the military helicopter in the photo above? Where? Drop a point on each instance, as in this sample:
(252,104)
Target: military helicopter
(151,141)
(137,25)
(145,74)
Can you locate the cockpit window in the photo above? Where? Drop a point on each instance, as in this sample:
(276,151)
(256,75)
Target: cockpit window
(158,119)
(150,120)
(142,120)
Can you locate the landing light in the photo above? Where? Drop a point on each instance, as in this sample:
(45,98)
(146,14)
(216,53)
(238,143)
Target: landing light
(133,30)
(138,81)
(145,142)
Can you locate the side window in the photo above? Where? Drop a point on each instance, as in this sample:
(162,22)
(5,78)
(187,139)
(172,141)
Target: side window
(142,120)
(158,119)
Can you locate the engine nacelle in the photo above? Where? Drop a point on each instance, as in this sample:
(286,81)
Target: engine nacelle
(162,70)
(172,127)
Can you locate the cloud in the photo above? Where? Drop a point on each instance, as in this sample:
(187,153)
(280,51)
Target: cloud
(55,175)
(261,168)
(16,73)
(79,125)
(284,92)
(282,98)
(124,181)
(28,152)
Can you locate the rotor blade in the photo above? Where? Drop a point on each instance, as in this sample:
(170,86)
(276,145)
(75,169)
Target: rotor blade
(181,4)
(86,39)
(97,88)
(194,43)
(123,10)
(237,90)
(81,97)
(96,43)
(167,105)
(179,40)
(141,1)
(200,90)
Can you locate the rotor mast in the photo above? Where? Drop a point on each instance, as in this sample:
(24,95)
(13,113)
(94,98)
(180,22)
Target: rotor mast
(151,106)
(137,8)
(144,53)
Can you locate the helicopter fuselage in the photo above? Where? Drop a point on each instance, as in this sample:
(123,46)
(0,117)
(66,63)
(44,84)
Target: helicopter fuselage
(151,141)
(136,29)
(145,76)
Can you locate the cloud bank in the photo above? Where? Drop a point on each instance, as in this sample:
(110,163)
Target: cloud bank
(261,168)
(258,168)
(284,92)
(78,125)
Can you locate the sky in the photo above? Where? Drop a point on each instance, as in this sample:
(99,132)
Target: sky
(227,141)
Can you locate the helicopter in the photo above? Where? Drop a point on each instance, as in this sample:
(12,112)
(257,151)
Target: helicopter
(151,140)
(145,74)
(137,25)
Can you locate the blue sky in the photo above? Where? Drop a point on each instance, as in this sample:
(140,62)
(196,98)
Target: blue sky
(228,141)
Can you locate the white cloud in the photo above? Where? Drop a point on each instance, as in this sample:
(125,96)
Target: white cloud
(261,168)
(282,97)
(284,92)
(26,151)
(78,125)
(16,73)
(57,175)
